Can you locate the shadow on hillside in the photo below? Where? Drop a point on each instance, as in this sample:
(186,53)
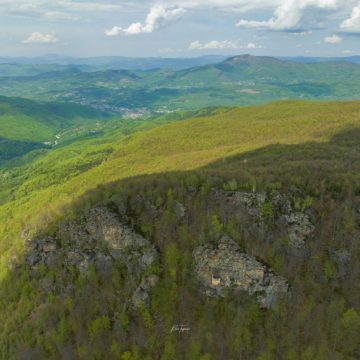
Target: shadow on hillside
(310,161)
(304,166)
(11,149)
(342,147)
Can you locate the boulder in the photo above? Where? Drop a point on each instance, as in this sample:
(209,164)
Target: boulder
(225,267)
(180,210)
(299,228)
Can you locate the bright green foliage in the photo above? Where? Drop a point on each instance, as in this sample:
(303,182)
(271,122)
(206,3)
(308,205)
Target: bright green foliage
(98,327)
(22,119)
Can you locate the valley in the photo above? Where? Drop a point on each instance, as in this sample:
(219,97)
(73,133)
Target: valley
(242,80)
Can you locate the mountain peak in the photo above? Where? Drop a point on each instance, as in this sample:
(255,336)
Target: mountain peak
(251,59)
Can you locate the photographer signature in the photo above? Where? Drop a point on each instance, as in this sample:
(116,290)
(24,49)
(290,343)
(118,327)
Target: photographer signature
(180,329)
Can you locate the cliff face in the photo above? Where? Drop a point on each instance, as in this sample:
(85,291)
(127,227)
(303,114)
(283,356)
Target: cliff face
(267,215)
(98,240)
(225,267)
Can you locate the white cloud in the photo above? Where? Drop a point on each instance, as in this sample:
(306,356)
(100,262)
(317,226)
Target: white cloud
(214,44)
(252,46)
(352,24)
(333,39)
(116,30)
(37,37)
(288,15)
(157,17)
(225,44)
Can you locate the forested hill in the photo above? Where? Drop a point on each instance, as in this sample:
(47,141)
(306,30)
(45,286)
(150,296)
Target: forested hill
(26,125)
(240,227)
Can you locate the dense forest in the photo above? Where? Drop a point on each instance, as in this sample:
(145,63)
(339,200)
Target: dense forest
(66,292)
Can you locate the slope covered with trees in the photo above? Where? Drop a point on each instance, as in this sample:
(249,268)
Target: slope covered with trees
(164,184)
(26,125)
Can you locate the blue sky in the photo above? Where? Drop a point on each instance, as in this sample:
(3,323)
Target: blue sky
(180,28)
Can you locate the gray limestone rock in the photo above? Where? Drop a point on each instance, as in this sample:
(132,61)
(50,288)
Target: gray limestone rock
(96,240)
(249,208)
(299,228)
(225,267)
(180,210)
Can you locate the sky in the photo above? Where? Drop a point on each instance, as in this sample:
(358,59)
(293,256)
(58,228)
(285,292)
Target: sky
(179,28)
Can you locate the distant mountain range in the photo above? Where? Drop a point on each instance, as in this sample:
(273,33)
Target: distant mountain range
(239,80)
(312,60)
(132,63)
(117,62)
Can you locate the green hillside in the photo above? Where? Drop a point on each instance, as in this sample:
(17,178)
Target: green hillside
(26,125)
(174,185)
(194,143)
(31,165)
(269,69)
(253,80)
(22,119)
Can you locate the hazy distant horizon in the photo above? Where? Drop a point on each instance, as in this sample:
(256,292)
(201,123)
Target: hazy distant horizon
(67,56)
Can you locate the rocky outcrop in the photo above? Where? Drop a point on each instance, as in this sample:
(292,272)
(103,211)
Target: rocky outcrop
(252,202)
(97,240)
(42,252)
(180,210)
(101,239)
(225,267)
(261,209)
(342,259)
(299,228)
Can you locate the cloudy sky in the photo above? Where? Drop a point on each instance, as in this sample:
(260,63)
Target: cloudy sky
(179,28)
